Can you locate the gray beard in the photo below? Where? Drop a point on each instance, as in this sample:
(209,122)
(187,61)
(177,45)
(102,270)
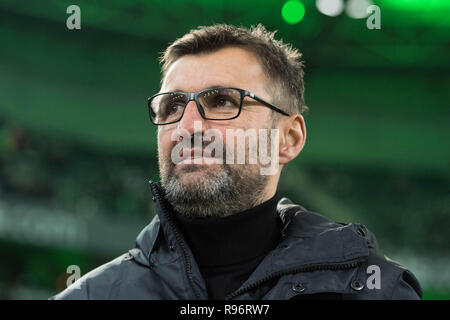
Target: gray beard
(226,191)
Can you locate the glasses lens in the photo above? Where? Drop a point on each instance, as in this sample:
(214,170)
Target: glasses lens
(220,103)
(167,107)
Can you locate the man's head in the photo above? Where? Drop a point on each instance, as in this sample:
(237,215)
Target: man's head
(249,59)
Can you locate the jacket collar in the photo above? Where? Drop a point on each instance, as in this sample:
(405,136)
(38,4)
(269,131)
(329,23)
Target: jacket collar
(307,238)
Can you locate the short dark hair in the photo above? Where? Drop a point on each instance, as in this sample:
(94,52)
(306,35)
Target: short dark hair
(281,62)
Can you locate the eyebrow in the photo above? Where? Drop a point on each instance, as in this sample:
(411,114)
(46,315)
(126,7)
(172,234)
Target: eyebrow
(210,87)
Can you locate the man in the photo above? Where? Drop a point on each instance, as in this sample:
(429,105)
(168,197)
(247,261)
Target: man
(222,231)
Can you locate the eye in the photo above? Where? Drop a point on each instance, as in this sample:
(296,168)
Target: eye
(175,108)
(223,101)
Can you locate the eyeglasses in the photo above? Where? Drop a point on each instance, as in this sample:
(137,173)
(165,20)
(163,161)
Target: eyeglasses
(212,104)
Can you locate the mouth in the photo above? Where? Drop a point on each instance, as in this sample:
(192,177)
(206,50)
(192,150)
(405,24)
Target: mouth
(196,157)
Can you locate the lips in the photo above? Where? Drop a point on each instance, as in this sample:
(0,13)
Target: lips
(196,157)
(195,153)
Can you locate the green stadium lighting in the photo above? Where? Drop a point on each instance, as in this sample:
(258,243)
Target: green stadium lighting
(293,11)
(432,12)
(417,5)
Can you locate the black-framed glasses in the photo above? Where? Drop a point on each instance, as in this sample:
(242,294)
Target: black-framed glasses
(217,103)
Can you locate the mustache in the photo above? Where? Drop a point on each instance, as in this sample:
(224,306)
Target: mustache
(191,145)
(240,147)
(194,144)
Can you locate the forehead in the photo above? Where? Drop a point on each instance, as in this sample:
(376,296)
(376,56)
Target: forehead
(233,67)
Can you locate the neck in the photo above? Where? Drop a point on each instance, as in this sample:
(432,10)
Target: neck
(233,239)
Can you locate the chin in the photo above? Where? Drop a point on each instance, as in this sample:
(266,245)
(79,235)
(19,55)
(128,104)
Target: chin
(185,167)
(192,173)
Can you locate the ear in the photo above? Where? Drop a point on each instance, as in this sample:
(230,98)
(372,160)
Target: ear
(292,137)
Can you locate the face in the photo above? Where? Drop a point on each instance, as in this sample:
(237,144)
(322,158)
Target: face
(214,189)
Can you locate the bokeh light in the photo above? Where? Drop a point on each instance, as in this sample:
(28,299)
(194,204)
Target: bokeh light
(293,11)
(330,8)
(357,9)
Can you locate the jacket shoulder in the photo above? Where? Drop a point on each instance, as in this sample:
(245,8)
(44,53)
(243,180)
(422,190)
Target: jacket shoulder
(396,281)
(98,283)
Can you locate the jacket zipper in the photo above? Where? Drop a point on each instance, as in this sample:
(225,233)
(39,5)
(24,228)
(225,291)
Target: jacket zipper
(179,240)
(308,268)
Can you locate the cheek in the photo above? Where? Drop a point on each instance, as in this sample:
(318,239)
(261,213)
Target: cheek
(245,121)
(164,143)
(255,118)
(255,123)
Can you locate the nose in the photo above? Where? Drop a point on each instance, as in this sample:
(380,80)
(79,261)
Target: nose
(190,117)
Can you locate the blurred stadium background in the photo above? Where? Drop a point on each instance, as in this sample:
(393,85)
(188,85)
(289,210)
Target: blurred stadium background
(77,149)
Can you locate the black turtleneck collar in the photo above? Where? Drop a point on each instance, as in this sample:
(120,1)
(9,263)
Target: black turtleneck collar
(236,239)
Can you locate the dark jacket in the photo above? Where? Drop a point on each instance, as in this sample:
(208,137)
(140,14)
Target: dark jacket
(315,259)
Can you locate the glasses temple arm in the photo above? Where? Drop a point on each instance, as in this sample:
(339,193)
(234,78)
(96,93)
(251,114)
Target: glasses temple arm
(270,105)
